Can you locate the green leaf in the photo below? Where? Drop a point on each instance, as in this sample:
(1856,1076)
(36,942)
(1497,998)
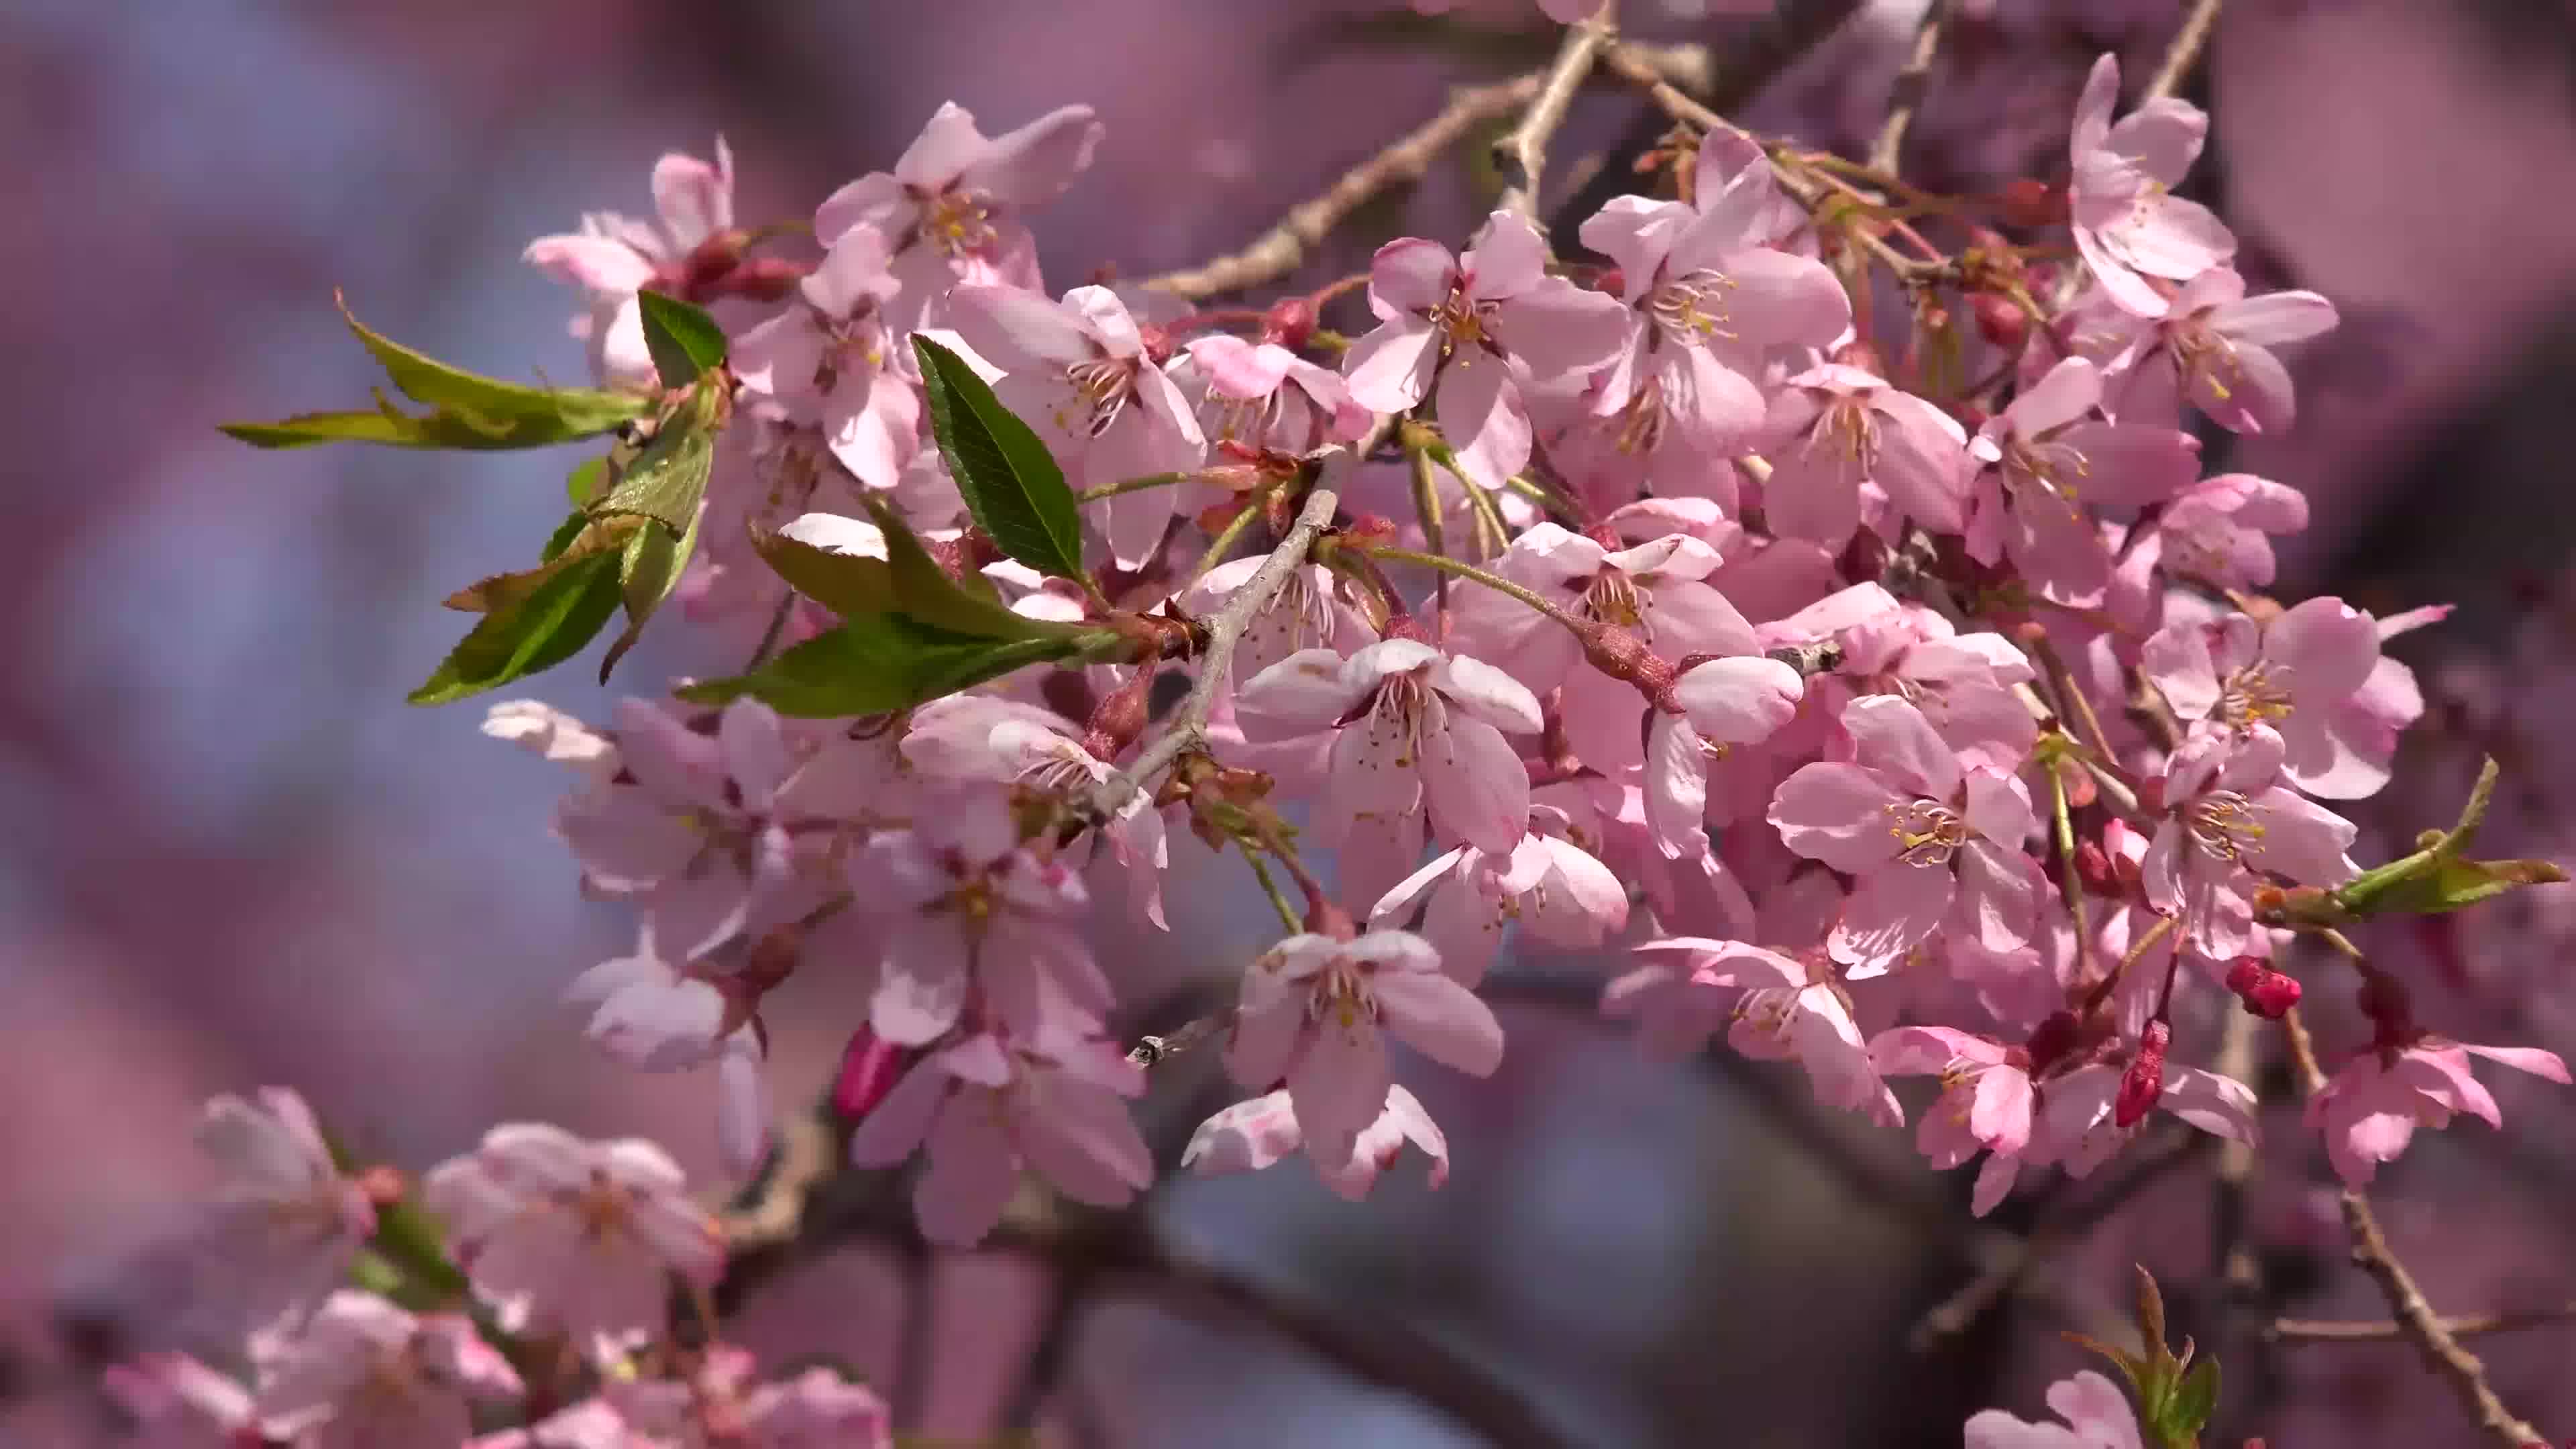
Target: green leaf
(537,629)
(466,410)
(932,595)
(882,662)
(850,585)
(683,339)
(577,537)
(2188,1412)
(648,569)
(1010,482)
(586,482)
(667,479)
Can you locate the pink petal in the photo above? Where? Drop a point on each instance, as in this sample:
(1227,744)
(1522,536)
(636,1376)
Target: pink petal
(1440,1018)
(1338,1087)
(2302,840)
(1480,411)
(1508,259)
(923,986)
(1999,891)
(1409,275)
(1739,701)
(1892,739)
(2328,647)
(2067,392)
(2529,1059)
(1475,784)
(1838,814)
(1038,161)
(1390,369)
(1676,788)
(1891,908)
(1017,331)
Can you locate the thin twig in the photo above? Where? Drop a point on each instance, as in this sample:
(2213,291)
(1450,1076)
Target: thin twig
(2467,1325)
(1907,95)
(2186,48)
(2421,1325)
(1522,153)
(1188,728)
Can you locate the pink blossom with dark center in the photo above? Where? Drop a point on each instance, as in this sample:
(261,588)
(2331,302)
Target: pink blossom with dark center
(2128,223)
(2299,674)
(2213,344)
(2046,463)
(831,359)
(2226,817)
(613,257)
(364,1374)
(1249,1136)
(2369,1110)
(1832,429)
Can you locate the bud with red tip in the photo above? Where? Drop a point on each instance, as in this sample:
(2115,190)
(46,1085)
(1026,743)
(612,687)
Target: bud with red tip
(2144,1081)
(2000,321)
(2266,993)
(1290,322)
(870,1065)
(2029,202)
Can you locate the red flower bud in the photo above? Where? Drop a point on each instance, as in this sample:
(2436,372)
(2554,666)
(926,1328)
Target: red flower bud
(1289,322)
(2266,993)
(2144,1081)
(2000,321)
(2027,202)
(869,1067)
(2093,867)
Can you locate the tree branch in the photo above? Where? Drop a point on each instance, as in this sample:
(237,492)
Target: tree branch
(2467,1325)
(1522,154)
(2415,1318)
(1188,728)
(2187,45)
(1906,96)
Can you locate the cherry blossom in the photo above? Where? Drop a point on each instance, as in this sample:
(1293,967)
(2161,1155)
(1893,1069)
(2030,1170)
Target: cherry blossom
(834,361)
(951,205)
(178,1403)
(1792,1010)
(1249,1136)
(1932,845)
(613,257)
(989,1105)
(1550,885)
(1834,428)
(1312,1013)
(2128,224)
(1985,1104)
(2219,530)
(2369,1110)
(1715,705)
(2078,1127)
(577,1237)
(2223,817)
(2214,344)
(2097,1416)
(2044,459)
(364,1374)
(1079,373)
(2298,675)
(1470,332)
(660,1015)
(287,1223)
(1262,395)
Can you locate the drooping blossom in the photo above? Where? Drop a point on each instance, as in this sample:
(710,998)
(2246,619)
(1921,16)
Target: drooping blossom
(176,1402)
(552,735)
(951,206)
(1962,683)
(2299,674)
(1078,372)
(559,1234)
(1833,428)
(2213,344)
(1932,845)
(2369,1110)
(2078,1126)
(1551,886)
(2046,463)
(286,1223)
(1249,1136)
(1790,1010)
(2128,224)
(962,907)
(657,1015)
(991,1105)
(1261,395)
(2225,815)
(1313,1013)
(829,359)
(2219,531)
(1709,301)
(2097,1416)
(1311,611)
(1653,590)
(1716,705)
(613,257)
(364,1374)
(686,828)
(1985,1103)
(1469,332)
(1417,732)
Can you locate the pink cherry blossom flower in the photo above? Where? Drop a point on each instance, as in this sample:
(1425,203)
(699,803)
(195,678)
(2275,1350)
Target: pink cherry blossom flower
(2046,463)
(1985,1105)
(1553,887)
(286,1224)
(2219,530)
(2214,344)
(991,1105)
(1654,590)
(1833,428)
(2297,674)
(613,257)
(951,205)
(554,736)
(1417,732)
(179,1403)
(1790,1010)
(658,1015)
(2128,224)
(1262,395)
(815,1408)
(1312,610)
(2370,1109)
(686,830)
(830,359)
(1710,301)
(1716,705)
(2077,1126)
(965,910)
(2097,1416)
(1962,683)
(563,1235)
(1931,844)
(364,1374)
(1249,1136)
(1311,1016)
(1078,372)
(1470,332)
(2223,817)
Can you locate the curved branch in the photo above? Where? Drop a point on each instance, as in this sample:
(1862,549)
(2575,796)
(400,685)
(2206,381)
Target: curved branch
(1522,155)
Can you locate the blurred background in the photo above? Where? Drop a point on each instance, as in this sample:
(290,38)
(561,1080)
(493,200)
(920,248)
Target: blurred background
(233,856)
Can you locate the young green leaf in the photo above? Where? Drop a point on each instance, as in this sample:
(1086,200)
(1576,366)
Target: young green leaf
(928,593)
(1010,482)
(577,537)
(648,569)
(466,410)
(683,340)
(881,662)
(537,630)
(2194,1400)
(668,478)
(586,482)
(850,585)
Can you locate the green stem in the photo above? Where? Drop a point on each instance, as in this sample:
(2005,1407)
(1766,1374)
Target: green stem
(1270,886)
(2075,902)
(1426,506)
(1130,485)
(1472,574)
(1228,536)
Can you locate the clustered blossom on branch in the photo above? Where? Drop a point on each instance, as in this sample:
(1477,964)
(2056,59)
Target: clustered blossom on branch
(1890,724)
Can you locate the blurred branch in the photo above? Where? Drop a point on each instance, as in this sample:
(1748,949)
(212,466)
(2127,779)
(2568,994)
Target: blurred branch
(1906,96)
(2415,1318)
(2188,42)
(1522,154)
(2467,1325)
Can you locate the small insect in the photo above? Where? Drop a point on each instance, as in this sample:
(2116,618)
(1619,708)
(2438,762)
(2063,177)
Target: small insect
(1152,1051)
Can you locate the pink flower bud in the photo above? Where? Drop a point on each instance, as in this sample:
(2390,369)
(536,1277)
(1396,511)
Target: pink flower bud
(1290,322)
(869,1067)
(2144,1081)
(2266,993)
(2000,321)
